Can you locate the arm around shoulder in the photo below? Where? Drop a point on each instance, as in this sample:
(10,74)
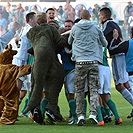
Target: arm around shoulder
(103,39)
(71,36)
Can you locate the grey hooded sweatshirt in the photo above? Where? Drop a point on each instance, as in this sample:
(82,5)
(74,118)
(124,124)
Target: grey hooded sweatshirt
(87,41)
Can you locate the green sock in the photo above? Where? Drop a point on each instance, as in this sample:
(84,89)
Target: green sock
(85,105)
(103,111)
(72,105)
(20,100)
(29,95)
(43,104)
(26,101)
(99,114)
(112,107)
(25,104)
(107,110)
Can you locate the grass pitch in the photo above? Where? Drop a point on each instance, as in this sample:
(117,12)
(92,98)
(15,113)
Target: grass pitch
(25,125)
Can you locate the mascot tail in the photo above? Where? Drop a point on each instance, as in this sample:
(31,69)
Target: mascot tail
(35,100)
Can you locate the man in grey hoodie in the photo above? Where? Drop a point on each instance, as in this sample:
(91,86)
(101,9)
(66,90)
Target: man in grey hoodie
(87,40)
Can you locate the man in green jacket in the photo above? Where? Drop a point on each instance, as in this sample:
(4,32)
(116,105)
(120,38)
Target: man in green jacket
(47,71)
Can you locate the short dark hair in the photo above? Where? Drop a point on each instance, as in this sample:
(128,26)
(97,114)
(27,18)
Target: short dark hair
(106,11)
(50,9)
(30,16)
(69,20)
(77,20)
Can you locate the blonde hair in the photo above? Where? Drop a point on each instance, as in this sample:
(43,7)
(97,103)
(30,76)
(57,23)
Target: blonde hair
(41,18)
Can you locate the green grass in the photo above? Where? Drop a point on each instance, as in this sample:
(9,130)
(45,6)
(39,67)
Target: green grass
(25,125)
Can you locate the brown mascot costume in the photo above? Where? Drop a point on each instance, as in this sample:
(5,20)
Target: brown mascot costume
(9,92)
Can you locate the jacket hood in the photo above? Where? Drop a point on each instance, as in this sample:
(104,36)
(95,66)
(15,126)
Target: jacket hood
(84,24)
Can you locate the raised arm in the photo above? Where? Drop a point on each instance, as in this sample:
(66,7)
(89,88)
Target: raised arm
(6,38)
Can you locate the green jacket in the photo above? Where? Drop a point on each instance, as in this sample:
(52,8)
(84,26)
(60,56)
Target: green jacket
(44,31)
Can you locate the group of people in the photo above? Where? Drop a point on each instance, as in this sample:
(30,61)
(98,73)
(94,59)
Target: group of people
(128,15)
(83,69)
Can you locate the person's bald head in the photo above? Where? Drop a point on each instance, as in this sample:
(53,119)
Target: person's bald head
(85,15)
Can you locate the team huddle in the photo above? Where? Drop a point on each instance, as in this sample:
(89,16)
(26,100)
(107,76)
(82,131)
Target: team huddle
(83,69)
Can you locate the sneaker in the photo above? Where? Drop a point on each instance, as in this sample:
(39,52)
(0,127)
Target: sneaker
(72,121)
(105,118)
(51,116)
(81,121)
(21,115)
(118,121)
(49,122)
(31,116)
(93,119)
(109,119)
(101,123)
(131,114)
(37,116)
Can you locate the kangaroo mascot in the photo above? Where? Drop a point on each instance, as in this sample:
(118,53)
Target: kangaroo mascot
(9,92)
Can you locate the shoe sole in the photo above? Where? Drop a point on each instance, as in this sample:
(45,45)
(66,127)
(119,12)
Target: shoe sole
(130,116)
(119,122)
(51,117)
(101,123)
(37,116)
(38,119)
(81,122)
(49,122)
(93,121)
(71,123)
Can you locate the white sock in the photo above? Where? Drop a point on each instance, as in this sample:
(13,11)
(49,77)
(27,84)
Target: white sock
(127,95)
(131,91)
